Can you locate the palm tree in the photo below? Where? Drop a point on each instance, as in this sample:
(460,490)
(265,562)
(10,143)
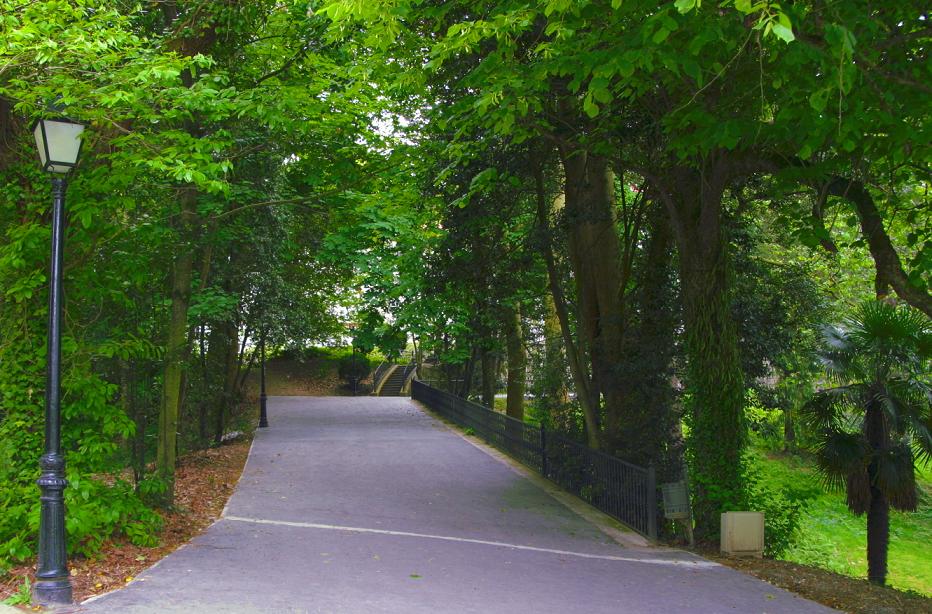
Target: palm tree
(875,425)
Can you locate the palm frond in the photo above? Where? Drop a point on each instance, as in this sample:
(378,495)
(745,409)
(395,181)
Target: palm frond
(913,395)
(894,475)
(839,455)
(921,440)
(858,490)
(826,409)
(837,356)
(836,339)
(894,336)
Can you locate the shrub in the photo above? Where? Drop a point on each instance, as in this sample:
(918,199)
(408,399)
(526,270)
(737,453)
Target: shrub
(782,507)
(98,505)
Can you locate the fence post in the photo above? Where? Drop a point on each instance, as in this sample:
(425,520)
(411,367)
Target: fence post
(651,502)
(543,451)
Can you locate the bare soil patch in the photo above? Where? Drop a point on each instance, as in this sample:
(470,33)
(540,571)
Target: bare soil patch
(287,377)
(204,482)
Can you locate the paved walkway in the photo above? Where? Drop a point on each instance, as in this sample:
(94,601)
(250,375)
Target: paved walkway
(367,504)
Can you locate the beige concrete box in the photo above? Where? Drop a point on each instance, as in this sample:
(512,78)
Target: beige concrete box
(743,534)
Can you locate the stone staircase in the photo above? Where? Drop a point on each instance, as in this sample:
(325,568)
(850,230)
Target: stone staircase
(394,386)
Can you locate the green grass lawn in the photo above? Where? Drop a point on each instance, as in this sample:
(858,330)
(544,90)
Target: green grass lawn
(833,538)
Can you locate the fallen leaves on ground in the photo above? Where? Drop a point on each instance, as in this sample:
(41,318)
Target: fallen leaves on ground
(829,588)
(204,482)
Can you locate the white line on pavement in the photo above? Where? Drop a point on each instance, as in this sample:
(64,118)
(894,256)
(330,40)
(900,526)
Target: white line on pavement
(583,555)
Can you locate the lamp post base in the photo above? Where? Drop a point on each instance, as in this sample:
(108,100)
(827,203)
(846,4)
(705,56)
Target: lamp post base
(263,412)
(53,582)
(52,592)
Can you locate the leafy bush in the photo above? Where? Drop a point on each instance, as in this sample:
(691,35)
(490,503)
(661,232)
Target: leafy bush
(22,596)
(98,505)
(782,506)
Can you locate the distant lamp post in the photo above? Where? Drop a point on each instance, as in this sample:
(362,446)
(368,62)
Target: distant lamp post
(355,375)
(59,143)
(263,398)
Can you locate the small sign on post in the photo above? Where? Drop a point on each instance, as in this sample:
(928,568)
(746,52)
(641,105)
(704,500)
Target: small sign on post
(676,505)
(675,500)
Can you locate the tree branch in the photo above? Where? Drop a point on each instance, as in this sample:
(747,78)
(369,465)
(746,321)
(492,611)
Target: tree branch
(887,262)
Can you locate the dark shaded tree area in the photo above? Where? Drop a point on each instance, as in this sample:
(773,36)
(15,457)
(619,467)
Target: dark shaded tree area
(710,184)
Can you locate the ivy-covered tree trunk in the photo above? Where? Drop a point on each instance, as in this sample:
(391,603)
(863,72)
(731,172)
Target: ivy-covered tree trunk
(489,376)
(718,432)
(716,383)
(517,363)
(554,389)
(176,349)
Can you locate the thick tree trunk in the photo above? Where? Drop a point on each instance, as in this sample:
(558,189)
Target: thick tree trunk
(715,379)
(581,381)
(595,254)
(176,349)
(517,363)
(182,276)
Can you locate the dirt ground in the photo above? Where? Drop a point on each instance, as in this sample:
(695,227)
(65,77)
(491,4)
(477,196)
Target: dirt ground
(312,377)
(834,590)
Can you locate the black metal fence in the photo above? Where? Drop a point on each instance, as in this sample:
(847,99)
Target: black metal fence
(618,488)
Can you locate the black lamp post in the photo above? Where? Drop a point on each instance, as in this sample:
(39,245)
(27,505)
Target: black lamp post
(59,143)
(263,399)
(355,375)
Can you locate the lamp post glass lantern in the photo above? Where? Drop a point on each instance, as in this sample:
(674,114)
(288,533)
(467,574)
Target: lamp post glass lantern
(59,143)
